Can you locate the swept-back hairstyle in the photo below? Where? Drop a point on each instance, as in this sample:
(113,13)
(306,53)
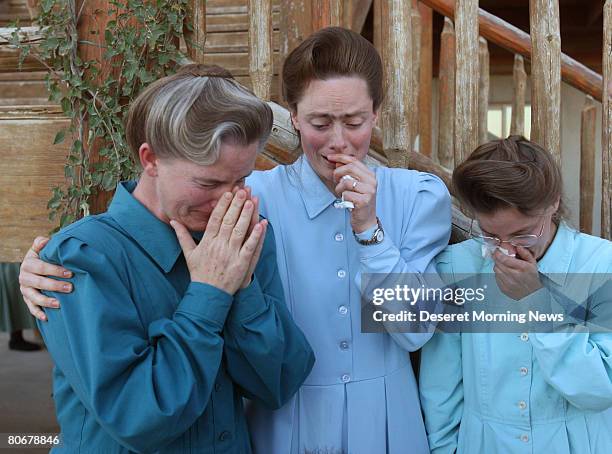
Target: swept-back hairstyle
(510,173)
(332,52)
(189,114)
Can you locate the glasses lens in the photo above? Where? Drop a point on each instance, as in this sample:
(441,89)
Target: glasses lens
(525,241)
(485,239)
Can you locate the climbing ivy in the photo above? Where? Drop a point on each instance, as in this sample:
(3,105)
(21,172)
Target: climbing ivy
(140,43)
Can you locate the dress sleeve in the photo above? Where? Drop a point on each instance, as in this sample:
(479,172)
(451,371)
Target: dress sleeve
(584,347)
(267,355)
(424,234)
(441,383)
(145,385)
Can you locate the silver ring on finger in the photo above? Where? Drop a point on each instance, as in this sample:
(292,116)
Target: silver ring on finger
(355,183)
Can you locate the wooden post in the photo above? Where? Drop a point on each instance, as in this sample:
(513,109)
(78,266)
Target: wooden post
(446,98)
(195,39)
(587,164)
(515,40)
(483,90)
(295,25)
(466,82)
(413,113)
(327,13)
(94,17)
(546,75)
(355,13)
(425,80)
(396,25)
(260,47)
(519,76)
(377,16)
(606,150)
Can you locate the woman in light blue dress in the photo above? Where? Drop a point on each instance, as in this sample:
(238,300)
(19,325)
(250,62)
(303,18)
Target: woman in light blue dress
(361,397)
(523,392)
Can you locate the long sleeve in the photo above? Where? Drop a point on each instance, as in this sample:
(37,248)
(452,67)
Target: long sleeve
(441,390)
(145,385)
(423,235)
(267,355)
(441,380)
(586,348)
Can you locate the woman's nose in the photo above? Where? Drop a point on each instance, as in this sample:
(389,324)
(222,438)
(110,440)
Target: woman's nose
(337,140)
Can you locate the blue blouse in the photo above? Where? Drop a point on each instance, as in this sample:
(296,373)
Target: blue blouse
(361,396)
(525,392)
(147,361)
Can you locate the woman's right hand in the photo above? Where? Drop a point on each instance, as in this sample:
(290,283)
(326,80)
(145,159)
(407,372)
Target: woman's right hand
(32,279)
(230,248)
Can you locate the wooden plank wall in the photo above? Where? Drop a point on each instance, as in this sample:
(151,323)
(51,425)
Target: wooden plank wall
(227,39)
(29,167)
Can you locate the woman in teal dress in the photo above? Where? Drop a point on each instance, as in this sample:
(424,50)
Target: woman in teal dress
(524,392)
(361,396)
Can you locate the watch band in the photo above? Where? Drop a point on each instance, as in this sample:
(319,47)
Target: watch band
(375,236)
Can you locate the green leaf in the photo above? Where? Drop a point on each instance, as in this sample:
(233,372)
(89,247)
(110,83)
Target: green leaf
(108,181)
(59,137)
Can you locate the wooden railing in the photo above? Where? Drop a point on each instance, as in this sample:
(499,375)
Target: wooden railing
(464,85)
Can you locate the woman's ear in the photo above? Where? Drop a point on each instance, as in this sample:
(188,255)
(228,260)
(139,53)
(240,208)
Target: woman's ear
(294,120)
(556,205)
(148,159)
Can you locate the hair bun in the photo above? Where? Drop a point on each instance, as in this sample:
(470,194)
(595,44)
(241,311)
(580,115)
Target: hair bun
(201,70)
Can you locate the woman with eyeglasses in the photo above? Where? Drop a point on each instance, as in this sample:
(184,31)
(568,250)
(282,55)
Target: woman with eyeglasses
(513,392)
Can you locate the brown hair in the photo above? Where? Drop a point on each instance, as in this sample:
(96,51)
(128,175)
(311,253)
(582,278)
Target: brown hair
(189,114)
(510,173)
(332,52)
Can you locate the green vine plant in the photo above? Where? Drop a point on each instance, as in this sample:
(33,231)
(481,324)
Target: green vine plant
(140,44)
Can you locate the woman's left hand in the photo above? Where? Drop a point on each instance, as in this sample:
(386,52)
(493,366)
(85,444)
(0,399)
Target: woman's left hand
(518,276)
(361,191)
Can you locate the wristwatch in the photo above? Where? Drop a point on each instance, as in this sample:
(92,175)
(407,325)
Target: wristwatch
(377,237)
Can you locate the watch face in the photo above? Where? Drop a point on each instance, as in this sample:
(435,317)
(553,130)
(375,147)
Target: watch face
(380,235)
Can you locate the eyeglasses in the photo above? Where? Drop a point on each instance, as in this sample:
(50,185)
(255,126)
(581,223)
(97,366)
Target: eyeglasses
(526,241)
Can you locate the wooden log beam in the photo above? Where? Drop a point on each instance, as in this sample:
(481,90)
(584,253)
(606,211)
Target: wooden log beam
(195,30)
(546,75)
(513,39)
(260,47)
(483,90)
(295,24)
(356,12)
(587,164)
(519,76)
(397,37)
(466,81)
(94,17)
(414,114)
(606,149)
(425,81)
(446,98)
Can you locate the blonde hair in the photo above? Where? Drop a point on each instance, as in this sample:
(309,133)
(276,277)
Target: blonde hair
(190,114)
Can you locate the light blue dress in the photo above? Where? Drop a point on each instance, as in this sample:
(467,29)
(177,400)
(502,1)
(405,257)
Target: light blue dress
(524,392)
(361,396)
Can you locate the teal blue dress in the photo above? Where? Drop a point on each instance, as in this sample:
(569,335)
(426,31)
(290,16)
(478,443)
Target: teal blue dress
(361,396)
(525,392)
(148,361)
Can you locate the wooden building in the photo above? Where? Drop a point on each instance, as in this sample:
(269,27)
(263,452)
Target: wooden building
(556,61)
